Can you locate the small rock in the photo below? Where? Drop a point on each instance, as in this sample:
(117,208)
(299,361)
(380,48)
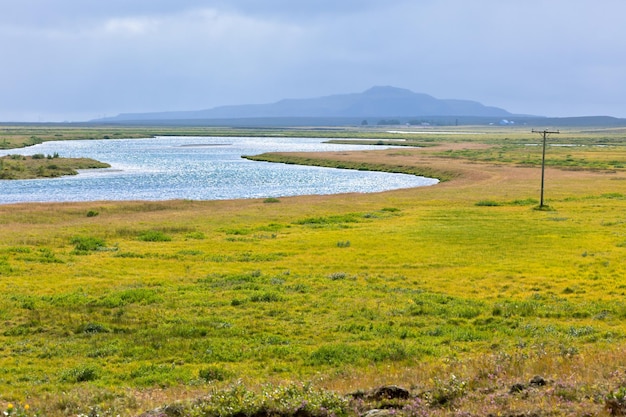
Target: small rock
(515,388)
(615,407)
(379,413)
(154,413)
(538,381)
(357,395)
(388,392)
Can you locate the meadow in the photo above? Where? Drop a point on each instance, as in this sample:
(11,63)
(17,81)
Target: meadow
(461,293)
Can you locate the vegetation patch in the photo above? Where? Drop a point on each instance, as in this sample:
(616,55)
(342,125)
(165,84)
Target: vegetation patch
(18,167)
(213,373)
(488,203)
(83,373)
(154,236)
(143,296)
(195,235)
(85,244)
(331,220)
(361,166)
(92,328)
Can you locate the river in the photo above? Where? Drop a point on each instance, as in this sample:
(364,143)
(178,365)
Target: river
(194,168)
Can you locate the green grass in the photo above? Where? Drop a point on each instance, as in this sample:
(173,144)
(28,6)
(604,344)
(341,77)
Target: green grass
(149,302)
(17,136)
(17,167)
(580,155)
(360,166)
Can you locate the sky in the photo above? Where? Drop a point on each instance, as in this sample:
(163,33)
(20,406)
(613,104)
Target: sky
(77,60)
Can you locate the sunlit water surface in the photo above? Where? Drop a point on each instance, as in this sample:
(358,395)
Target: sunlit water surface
(194,168)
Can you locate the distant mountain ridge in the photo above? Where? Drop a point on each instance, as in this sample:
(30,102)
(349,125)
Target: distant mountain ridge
(374,102)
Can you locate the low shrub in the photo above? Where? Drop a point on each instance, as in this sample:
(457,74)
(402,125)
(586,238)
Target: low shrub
(447,391)
(213,373)
(82,373)
(488,203)
(154,236)
(525,202)
(335,276)
(615,402)
(195,235)
(86,244)
(290,400)
(91,328)
(336,354)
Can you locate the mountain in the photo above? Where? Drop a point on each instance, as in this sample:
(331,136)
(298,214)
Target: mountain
(375,102)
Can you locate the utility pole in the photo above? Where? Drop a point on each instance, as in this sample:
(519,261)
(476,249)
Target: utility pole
(545,134)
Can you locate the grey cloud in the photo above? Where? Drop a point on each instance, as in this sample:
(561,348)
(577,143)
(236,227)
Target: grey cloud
(46,12)
(83,58)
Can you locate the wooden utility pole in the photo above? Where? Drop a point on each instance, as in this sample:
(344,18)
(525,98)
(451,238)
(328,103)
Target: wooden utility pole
(545,134)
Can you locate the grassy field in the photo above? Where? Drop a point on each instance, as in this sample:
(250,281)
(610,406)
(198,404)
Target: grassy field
(458,292)
(27,135)
(18,167)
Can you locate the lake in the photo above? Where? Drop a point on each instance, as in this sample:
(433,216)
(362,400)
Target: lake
(195,168)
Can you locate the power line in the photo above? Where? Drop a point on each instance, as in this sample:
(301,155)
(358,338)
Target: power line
(545,134)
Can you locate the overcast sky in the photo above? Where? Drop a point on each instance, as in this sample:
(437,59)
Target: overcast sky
(75,60)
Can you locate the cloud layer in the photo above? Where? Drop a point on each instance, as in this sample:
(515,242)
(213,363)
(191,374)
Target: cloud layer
(82,59)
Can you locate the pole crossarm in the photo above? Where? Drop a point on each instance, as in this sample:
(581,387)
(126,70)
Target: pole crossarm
(545,134)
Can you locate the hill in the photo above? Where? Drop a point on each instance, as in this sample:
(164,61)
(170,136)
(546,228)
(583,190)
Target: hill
(375,102)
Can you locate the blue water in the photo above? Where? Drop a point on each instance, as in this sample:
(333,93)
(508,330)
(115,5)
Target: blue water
(194,168)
